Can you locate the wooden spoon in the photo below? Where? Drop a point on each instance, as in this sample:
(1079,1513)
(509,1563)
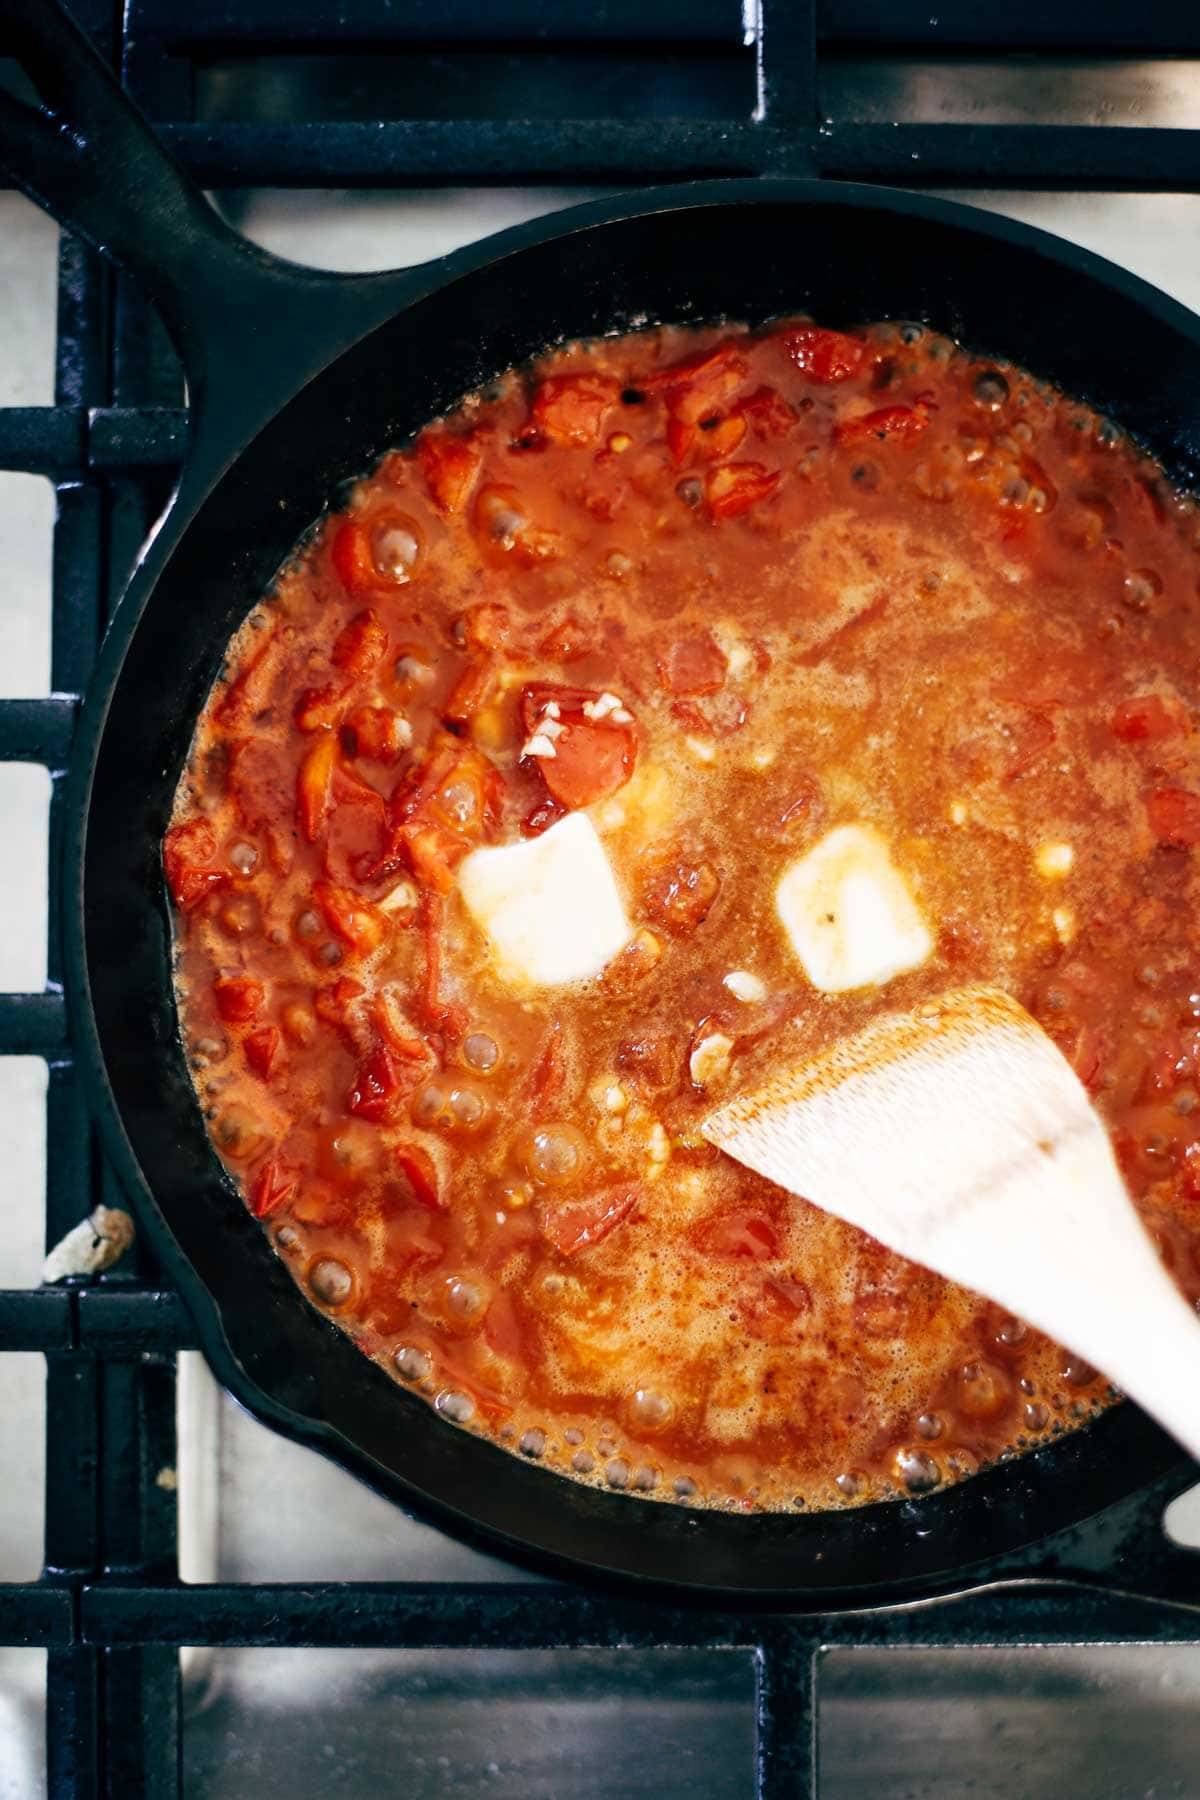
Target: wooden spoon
(960,1137)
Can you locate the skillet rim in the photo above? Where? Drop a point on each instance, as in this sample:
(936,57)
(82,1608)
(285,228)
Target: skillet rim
(1120,1441)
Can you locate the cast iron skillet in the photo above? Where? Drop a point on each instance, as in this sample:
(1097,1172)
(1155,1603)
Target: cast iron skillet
(297,380)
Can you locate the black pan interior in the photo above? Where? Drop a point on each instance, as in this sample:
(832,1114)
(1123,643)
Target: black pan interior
(848,256)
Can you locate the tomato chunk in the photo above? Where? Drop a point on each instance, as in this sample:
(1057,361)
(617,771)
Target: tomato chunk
(450,464)
(238,998)
(770,415)
(1174,816)
(262,1047)
(272,1187)
(700,385)
(825,356)
(361,644)
(312,785)
(354,919)
(571,409)
(739,1233)
(186,848)
(578,1224)
(733,488)
(887,424)
(693,666)
(420,1171)
(350,553)
(593,757)
(377,733)
(319,707)
(1146,716)
(376,1087)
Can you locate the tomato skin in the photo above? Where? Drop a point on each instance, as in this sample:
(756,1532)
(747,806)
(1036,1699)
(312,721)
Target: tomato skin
(450,464)
(361,644)
(732,489)
(1146,717)
(420,1171)
(238,998)
(825,356)
(350,554)
(740,1233)
(261,1048)
(376,1087)
(700,384)
(312,785)
(1174,816)
(887,424)
(571,409)
(579,1224)
(353,919)
(272,1187)
(184,848)
(693,666)
(432,852)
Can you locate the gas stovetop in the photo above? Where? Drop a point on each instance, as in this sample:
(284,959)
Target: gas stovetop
(195,1605)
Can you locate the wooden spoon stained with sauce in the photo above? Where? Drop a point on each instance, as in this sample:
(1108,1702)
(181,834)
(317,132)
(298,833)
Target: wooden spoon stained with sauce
(960,1137)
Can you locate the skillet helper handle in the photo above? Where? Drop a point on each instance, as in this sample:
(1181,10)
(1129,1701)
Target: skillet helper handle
(88,156)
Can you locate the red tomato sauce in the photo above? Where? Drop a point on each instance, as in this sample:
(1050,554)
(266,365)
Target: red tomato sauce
(747,586)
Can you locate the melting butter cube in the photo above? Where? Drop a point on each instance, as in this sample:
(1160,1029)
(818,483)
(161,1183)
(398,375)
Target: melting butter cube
(549,906)
(848,912)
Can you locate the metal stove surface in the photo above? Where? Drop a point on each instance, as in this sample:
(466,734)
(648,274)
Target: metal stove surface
(922,1724)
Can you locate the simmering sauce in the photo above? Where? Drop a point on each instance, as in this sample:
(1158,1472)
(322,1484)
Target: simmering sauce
(659,717)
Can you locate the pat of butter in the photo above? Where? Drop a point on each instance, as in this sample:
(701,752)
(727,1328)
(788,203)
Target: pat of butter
(549,906)
(848,913)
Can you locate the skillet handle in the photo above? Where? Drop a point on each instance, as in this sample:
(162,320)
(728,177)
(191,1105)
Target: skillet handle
(88,156)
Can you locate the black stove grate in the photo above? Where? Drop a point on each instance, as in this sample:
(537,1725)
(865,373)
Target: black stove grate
(109,1608)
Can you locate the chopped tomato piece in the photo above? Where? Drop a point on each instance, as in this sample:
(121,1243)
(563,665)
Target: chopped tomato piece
(238,998)
(485,626)
(772,1311)
(312,785)
(376,733)
(578,1224)
(331,1003)
(356,835)
(450,464)
(241,694)
(361,644)
(319,707)
(376,1087)
(350,554)
(470,691)
(565,642)
(262,1047)
(549,1073)
(432,852)
(693,666)
(825,356)
(420,1171)
(1174,816)
(887,424)
(593,757)
(679,892)
(571,409)
(272,1187)
(770,415)
(1146,716)
(733,488)
(681,438)
(186,848)
(541,817)
(720,439)
(740,1233)
(701,384)
(354,919)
